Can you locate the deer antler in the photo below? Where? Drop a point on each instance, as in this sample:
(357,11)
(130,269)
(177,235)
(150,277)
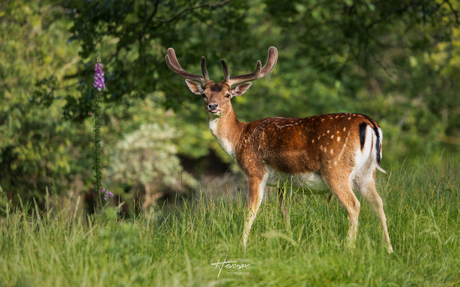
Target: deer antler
(173,65)
(258,72)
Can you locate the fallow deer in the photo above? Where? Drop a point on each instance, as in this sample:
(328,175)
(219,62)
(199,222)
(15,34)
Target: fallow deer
(335,153)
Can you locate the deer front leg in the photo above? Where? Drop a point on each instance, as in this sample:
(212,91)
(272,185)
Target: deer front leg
(255,195)
(284,208)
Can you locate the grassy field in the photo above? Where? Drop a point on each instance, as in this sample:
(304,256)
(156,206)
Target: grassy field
(177,246)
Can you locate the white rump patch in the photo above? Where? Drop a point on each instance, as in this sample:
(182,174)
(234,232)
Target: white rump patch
(381,140)
(365,163)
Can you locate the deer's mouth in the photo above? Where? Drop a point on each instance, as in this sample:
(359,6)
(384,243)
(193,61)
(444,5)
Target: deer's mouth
(215,112)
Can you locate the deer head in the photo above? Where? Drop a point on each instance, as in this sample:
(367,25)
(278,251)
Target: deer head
(217,96)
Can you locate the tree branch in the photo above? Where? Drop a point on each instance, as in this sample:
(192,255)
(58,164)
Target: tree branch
(391,14)
(210,5)
(453,11)
(155,10)
(382,66)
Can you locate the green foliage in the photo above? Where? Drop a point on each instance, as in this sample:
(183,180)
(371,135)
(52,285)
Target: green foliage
(5,205)
(132,36)
(148,156)
(420,202)
(391,60)
(394,61)
(37,149)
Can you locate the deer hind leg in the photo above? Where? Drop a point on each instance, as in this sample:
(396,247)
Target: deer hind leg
(284,208)
(376,203)
(255,195)
(341,187)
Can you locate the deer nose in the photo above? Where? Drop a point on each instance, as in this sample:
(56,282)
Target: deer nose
(213,106)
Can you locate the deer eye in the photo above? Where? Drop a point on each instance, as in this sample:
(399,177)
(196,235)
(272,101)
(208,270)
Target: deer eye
(227,95)
(204,95)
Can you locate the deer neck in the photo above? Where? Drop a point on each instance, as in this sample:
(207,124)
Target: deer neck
(227,130)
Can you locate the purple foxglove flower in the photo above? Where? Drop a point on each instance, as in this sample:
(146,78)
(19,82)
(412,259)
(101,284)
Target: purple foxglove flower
(106,194)
(99,81)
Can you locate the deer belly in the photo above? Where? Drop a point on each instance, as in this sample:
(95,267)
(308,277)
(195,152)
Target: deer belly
(310,182)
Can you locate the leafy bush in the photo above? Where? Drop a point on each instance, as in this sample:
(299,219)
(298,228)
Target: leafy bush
(147,159)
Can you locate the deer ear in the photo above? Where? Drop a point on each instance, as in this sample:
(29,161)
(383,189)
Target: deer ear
(195,87)
(240,89)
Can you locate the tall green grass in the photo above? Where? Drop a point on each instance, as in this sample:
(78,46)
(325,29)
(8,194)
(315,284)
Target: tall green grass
(177,245)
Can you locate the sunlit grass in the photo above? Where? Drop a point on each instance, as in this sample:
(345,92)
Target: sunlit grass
(176,246)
